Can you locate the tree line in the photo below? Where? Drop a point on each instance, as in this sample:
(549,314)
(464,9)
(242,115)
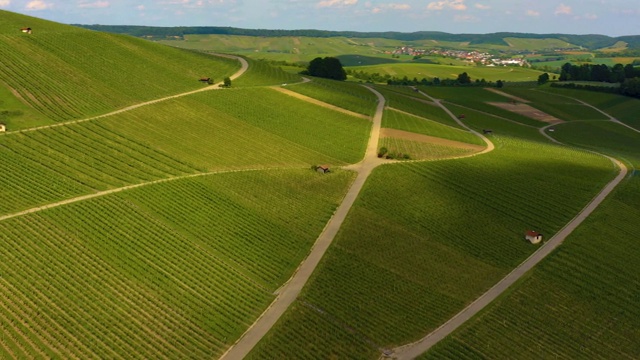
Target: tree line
(628,76)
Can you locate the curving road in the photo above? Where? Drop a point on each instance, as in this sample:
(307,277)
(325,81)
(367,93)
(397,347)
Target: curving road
(415,349)
(291,289)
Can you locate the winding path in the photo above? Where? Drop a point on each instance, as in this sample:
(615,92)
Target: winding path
(244,65)
(415,349)
(288,293)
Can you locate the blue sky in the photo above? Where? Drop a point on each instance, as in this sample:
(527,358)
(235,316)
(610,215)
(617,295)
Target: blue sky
(607,17)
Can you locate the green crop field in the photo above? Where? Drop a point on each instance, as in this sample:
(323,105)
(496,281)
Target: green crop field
(348,96)
(113,71)
(147,274)
(430,71)
(401,121)
(261,73)
(425,239)
(580,302)
(164,231)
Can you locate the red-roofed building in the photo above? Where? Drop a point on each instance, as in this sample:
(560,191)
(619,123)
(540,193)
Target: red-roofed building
(534,237)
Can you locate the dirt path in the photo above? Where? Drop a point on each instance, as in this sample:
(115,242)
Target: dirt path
(502,93)
(317,102)
(244,66)
(414,350)
(288,293)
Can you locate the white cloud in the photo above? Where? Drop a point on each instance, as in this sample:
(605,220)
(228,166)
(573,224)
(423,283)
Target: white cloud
(391,6)
(95,4)
(483,7)
(533,13)
(336,3)
(38,5)
(563,9)
(4,3)
(449,4)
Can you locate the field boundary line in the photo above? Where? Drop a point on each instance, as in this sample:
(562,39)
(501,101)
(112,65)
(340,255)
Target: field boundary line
(317,102)
(244,65)
(125,188)
(415,349)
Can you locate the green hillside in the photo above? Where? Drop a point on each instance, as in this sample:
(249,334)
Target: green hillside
(65,72)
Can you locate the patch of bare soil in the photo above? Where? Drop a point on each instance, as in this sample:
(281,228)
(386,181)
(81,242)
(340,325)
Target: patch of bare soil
(502,93)
(318,102)
(528,111)
(406,135)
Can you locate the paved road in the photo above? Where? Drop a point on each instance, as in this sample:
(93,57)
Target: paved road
(290,291)
(414,350)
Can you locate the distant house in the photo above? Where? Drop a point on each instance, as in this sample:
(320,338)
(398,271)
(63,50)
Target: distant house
(534,237)
(323,169)
(26,30)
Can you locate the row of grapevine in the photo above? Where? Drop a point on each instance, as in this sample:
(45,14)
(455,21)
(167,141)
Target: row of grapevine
(398,120)
(56,163)
(418,150)
(261,73)
(90,73)
(133,276)
(425,239)
(348,96)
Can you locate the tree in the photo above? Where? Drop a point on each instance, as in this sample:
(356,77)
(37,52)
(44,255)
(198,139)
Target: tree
(543,79)
(464,78)
(328,67)
(631,87)
(499,83)
(227,82)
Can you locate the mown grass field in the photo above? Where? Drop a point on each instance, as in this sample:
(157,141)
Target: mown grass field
(148,274)
(581,301)
(81,79)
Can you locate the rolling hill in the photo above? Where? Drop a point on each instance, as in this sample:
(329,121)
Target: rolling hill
(168,228)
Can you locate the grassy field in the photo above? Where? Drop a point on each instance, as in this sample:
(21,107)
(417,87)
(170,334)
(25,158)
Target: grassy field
(429,71)
(261,73)
(88,72)
(147,274)
(425,239)
(581,301)
(403,99)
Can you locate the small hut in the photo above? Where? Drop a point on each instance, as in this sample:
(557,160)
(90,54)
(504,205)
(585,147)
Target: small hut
(533,237)
(3,127)
(323,169)
(204,79)
(26,30)
(487,131)
(461,116)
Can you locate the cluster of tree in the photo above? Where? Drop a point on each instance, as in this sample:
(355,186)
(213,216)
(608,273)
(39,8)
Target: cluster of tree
(328,67)
(598,72)
(630,87)
(462,79)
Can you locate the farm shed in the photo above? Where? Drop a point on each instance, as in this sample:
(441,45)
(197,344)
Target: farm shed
(3,127)
(534,237)
(26,30)
(204,79)
(323,169)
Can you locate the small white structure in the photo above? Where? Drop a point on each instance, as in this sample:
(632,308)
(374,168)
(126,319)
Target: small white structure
(3,127)
(534,237)
(26,30)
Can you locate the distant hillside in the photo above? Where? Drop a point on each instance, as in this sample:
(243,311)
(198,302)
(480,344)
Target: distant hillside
(66,72)
(586,41)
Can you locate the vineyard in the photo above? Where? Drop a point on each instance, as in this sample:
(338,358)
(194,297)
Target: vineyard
(112,71)
(348,96)
(425,239)
(166,230)
(581,302)
(147,274)
(401,121)
(260,73)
